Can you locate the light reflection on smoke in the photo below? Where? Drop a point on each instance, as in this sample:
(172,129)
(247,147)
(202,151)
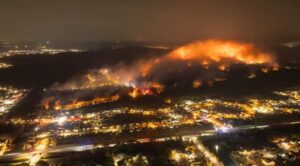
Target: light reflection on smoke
(209,59)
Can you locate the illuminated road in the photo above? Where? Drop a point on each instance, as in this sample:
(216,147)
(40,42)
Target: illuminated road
(77,148)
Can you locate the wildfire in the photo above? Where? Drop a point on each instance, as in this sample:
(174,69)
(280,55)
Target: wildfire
(81,103)
(151,89)
(197,83)
(219,54)
(222,52)
(134,93)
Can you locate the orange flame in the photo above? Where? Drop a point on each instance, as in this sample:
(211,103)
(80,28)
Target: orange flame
(197,83)
(81,103)
(221,51)
(96,100)
(153,88)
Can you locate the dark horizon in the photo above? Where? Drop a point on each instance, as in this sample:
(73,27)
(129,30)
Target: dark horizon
(149,21)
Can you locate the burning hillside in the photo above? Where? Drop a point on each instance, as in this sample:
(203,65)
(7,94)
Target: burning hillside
(203,62)
(222,52)
(202,54)
(56,104)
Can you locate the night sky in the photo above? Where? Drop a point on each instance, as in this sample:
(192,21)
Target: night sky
(139,20)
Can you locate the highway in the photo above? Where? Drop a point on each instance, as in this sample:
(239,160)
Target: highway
(36,155)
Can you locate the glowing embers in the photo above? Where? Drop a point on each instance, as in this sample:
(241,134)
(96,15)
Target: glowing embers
(197,83)
(53,103)
(9,97)
(103,77)
(73,99)
(146,90)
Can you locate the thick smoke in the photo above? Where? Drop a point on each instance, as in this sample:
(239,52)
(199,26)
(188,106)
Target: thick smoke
(202,60)
(193,64)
